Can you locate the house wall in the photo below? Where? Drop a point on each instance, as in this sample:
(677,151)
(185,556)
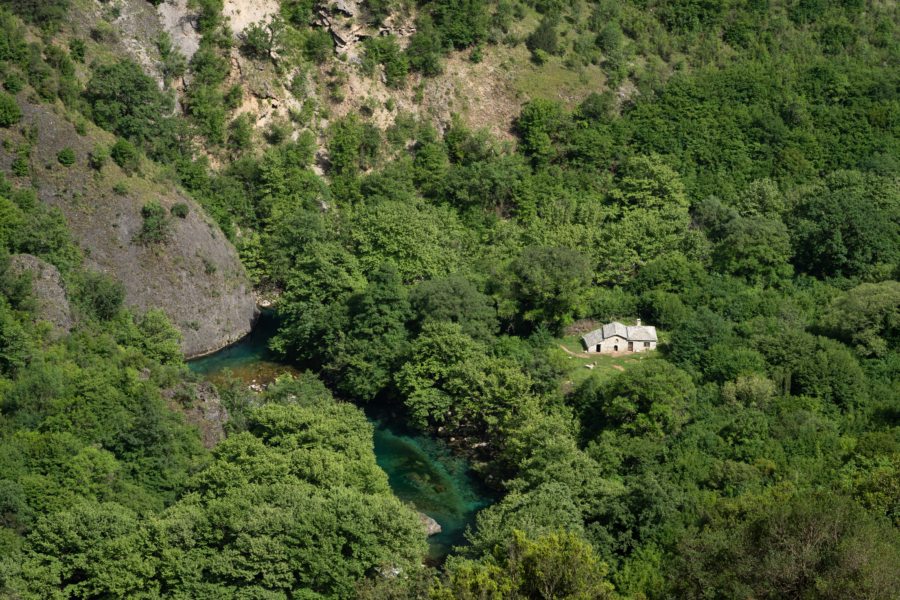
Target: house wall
(608,346)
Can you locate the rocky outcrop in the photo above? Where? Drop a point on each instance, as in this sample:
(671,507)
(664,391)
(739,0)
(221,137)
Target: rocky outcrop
(51,303)
(432,527)
(181,24)
(195,277)
(202,407)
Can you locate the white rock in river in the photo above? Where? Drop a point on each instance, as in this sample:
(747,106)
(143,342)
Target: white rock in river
(432,527)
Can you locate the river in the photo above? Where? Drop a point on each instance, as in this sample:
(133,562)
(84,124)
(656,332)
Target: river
(421,471)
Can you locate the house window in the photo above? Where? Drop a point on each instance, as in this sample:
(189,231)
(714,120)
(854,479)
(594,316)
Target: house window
(646,344)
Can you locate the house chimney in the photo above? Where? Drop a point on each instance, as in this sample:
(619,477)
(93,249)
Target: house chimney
(638,322)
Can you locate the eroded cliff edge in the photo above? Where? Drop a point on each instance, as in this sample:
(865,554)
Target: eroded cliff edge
(195,277)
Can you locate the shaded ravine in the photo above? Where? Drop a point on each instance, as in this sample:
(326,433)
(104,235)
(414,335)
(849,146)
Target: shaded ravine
(421,471)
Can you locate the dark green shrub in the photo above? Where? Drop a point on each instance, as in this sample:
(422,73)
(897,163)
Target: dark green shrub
(104,33)
(102,295)
(10,113)
(174,64)
(544,38)
(13,82)
(76,49)
(98,157)
(46,13)
(127,102)
(257,41)
(318,46)
(156,228)
(66,157)
(240,134)
(462,23)
(126,155)
(384,50)
(425,48)
(180,210)
(21,165)
(233,97)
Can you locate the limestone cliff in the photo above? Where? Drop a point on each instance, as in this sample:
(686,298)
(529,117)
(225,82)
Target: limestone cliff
(195,277)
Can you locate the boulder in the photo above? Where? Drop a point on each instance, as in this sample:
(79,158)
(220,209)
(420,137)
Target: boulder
(432,527)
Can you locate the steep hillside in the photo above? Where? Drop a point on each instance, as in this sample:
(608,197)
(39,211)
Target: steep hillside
(194,275)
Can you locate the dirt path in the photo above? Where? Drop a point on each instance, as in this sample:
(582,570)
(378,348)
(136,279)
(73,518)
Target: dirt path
(577,354)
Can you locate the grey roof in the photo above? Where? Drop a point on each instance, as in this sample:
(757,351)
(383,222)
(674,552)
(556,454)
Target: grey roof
(593,338)
(642,333)
(614,329)
(637,333)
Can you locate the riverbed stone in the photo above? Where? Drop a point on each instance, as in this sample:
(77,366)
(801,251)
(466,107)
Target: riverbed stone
(432,527)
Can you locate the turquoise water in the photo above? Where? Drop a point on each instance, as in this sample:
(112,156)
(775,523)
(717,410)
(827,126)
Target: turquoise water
(421,471)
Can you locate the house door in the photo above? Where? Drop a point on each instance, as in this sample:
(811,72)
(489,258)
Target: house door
(599,348)
(616,348)
(631,346)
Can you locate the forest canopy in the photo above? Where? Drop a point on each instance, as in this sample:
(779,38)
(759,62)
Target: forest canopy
(734,181)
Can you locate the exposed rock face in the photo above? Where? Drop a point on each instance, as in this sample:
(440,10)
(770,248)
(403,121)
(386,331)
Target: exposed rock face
(47,287)
(432,527)
(181,24)
(195,277)
(201,406)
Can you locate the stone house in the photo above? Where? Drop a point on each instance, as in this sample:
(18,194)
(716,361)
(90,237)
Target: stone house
(617,338)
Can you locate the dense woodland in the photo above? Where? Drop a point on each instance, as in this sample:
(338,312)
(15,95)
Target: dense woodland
(743,196)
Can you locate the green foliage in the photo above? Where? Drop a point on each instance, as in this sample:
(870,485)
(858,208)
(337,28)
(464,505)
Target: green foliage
(174,64)
(425,48)
(455,299)
(846,226)
(652,398)
(420,240)
(66,157)
(546,287)
(260,40)
(101,294)
(180,210)
(555,565)
(158,339)
(126,155)
(773,550)
(757,248)
(156,228)
(77,49)
(461,23)
(383,50)
(10,113)
(366,351)
(544,38)
(126,101)
(108,552)
(318,46)
(452,381)
(352,145)
(98,156)
(745,215)
(866,317)
(45,13)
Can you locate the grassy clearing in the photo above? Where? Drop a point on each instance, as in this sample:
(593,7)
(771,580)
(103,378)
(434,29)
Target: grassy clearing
(605,367)
(555,81)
